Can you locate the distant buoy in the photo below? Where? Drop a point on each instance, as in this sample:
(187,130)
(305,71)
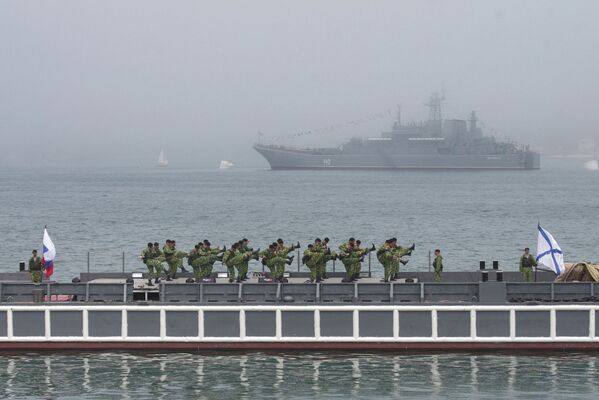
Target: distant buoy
(592,165)
(226,164)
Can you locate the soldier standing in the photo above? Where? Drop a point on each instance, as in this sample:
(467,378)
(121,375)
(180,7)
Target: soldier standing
(36,266)
(438,265)
(146,258)
(527,261)
(156,261)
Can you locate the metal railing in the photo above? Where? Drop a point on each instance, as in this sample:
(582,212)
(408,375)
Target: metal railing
(353,336)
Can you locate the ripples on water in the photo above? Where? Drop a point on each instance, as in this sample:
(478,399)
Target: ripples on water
(266,375)
(470,215)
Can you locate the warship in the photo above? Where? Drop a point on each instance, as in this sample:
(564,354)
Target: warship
(433,144)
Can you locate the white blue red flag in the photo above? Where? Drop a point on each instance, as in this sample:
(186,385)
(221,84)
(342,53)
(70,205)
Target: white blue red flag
(49,254)
(549,253)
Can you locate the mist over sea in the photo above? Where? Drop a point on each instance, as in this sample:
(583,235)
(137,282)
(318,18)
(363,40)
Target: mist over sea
(469,215)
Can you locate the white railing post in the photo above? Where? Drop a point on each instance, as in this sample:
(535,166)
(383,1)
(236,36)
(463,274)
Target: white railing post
(85,321)
(552,324)
(473,332)
(242,324)
(278,323)
(9,324)
(162,323)
(512,324)
(201,324)
(317,323)
(47,327)
(396,324)
(592,324)
(434,323)
(356,320)
(124,332)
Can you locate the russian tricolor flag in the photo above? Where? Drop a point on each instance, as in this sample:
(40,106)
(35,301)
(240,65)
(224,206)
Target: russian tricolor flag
(49,254)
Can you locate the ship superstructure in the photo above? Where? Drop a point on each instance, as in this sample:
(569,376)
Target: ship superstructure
(433,144)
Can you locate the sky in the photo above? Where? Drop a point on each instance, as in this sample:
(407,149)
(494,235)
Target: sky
(113,82)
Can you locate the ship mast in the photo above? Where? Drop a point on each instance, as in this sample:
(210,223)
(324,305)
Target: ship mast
(435,117)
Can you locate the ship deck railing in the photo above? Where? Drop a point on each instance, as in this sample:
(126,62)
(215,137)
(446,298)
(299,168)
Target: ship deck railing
(366,291)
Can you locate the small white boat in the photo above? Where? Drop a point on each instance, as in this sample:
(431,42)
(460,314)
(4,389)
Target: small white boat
(162,161)
(224,164)
(592,165)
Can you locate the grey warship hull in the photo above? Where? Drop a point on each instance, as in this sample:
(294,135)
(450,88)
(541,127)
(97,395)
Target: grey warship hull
(433,144)
(280,157)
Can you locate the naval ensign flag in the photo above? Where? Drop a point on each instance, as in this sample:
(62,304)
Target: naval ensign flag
(49,254)
(549,253)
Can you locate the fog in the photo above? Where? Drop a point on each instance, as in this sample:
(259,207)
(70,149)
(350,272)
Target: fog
(113,82)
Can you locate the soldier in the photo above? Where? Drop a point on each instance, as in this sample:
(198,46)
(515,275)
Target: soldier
(267,257)
(438,265)
(193,259)
(314,258)
(179,255)
(36,267)
(384,254)
(156,260)
(398,252)
(281,257)
(245,247)
(527,261)
(207,256)
(348,258)
(173,258)
(357,265)
(146,258)
(234,259)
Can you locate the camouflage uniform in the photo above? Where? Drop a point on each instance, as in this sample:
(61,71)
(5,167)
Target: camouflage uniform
(385,256)
(526,264)
(349,256)
(438,266)
(36,267)
(245,265)
(146,257)
(203,264)
(313,260)
(155,261)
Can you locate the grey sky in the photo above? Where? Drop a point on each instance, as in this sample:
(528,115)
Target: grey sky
(112,82)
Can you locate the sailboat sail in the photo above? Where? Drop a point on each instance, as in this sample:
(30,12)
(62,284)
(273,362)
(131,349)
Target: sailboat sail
(162,161)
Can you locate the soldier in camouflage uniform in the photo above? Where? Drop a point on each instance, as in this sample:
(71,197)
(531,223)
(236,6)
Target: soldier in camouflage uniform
(527,261)
(245,247)
(438,265)
(156,260)
(146,258)
(349,257)
(385,256)
(281,257)
(207,256)
(397,253)
(173,258)
(312,259)
(36,267)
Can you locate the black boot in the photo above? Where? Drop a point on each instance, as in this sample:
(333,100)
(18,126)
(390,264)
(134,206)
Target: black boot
(157,281)
(150,282)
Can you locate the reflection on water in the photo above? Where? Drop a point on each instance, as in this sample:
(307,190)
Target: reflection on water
(297,375)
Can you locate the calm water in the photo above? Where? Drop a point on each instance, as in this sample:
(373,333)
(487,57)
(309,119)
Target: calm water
(469,215)
(331,375)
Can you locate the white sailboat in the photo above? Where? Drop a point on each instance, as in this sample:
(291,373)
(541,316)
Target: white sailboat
(592,165)
(224,164)
(162,161)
